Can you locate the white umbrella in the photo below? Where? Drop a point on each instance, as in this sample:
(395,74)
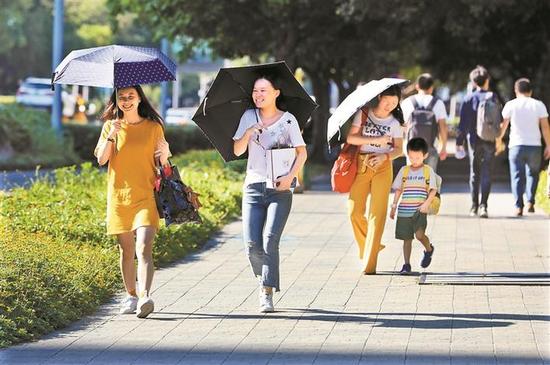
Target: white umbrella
(356,100)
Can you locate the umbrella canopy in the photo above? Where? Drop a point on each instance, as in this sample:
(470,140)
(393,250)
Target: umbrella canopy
(231,95)
(356,100)
(114,67)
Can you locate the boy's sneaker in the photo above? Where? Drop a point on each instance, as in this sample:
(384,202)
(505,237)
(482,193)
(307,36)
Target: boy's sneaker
(145,306)
(129,305)
(483,212)
(266,301)
(473,211)
(405,270)
(427,259)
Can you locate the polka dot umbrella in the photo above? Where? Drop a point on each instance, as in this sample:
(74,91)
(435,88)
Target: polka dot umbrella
(114,67)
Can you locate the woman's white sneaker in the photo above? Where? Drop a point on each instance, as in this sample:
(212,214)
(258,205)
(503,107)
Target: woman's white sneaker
(266,301)
(145,306)
(129,305)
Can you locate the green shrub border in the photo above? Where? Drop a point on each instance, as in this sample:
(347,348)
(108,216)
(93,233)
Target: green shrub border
(541,198)
(56,262)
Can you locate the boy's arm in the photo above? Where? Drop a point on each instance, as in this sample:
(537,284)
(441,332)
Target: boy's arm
(396,197)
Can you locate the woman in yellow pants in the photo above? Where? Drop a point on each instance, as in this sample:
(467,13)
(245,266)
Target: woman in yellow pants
(379,132)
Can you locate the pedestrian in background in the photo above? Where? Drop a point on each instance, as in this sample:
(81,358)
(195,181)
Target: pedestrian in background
(481,148)
(528,120)
(425,117)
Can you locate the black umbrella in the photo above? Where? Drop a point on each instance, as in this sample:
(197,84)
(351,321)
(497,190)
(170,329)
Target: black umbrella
(230,96)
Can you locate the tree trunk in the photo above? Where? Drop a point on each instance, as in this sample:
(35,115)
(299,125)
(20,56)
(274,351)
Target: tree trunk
(320,84)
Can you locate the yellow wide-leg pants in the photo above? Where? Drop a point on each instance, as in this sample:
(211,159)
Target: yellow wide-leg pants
(375,185)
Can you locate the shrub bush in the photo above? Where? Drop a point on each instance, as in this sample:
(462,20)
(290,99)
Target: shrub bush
(180,138)
(29,134)
(57,263)
(542,198)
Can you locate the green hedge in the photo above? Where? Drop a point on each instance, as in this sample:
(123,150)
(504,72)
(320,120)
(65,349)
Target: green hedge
(27,140)
(56,262)
(180,138)
(542,192)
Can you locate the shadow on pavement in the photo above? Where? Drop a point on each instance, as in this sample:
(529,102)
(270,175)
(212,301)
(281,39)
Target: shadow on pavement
(190,355)
(440,321)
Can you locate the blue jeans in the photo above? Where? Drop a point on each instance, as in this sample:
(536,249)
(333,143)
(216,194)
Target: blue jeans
(482,156)
(524,167)
(265,212)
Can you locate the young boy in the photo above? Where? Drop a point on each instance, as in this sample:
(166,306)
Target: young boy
(410,185)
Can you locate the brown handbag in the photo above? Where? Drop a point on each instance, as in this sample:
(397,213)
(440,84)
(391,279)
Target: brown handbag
(344,169)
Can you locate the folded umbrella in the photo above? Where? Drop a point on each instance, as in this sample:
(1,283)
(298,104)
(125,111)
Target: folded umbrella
(230,96)
(356,100)
(114,67)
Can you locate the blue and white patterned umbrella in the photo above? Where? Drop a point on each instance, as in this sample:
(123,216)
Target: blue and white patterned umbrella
(114,67)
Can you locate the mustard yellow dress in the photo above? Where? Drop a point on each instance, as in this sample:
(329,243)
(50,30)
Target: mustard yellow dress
(131,177)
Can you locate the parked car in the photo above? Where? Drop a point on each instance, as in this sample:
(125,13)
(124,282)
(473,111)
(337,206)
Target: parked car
(35,92)
(180,116)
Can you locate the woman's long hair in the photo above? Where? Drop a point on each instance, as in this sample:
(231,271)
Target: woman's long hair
(145,109)
(394,90)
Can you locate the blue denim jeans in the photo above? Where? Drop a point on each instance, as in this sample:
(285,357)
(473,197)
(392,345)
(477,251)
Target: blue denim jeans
(524,168)
(265,212)
(482,156)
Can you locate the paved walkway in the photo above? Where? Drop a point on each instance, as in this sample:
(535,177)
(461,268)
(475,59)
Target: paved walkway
(327,312)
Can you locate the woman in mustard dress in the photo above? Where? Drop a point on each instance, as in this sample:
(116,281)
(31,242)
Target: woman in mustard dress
(131,142)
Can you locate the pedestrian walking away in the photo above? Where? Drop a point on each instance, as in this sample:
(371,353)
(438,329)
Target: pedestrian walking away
(131,142)
(266,203)
(528,120)
(415,188)
(479,129)
(425,116)
(377,129)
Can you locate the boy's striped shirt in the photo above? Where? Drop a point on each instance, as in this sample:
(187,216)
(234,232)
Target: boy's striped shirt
(413,191)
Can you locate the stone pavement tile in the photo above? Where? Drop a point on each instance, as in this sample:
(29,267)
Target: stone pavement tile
(326,310)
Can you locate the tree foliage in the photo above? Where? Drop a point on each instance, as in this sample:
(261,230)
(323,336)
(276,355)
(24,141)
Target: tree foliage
(26,34)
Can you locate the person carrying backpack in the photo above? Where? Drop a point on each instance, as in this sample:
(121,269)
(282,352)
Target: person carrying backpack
(479,127)
(425,117)
(528,120)
(416,187)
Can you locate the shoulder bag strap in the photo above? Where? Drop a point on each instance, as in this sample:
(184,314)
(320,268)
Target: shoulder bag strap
(404,178)
(426,171)
(432,103)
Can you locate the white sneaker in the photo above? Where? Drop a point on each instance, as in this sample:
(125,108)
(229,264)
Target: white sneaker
(129,305)
(266,301)
(145,306)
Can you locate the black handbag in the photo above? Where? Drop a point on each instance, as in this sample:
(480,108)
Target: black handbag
(176,202)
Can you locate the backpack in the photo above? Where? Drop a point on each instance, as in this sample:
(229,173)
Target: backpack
(423,122)
(488,118)
(436,201)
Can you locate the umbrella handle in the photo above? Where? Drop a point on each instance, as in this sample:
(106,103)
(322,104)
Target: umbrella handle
(204,106)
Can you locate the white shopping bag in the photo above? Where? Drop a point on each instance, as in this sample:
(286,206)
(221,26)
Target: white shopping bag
(279,163)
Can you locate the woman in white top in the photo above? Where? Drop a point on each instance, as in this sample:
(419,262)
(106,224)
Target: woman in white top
(381,141)
(265,210)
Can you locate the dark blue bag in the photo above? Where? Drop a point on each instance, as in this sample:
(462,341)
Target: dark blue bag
(176,202)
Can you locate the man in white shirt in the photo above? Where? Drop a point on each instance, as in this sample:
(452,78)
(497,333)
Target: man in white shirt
(528,119)
(425,117)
